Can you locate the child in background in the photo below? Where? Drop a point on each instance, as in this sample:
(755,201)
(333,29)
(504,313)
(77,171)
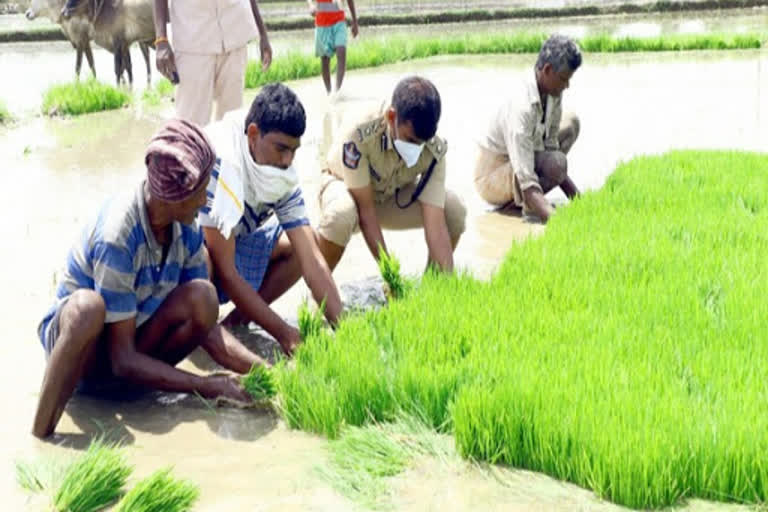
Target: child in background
(331,36)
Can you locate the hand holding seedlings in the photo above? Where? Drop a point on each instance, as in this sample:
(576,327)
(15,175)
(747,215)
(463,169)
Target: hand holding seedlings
(225,386)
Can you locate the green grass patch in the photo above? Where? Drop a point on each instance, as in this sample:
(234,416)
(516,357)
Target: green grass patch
(622,350)
(371,53)
(160,492)
(259,383)
(163,89)
(5,114)
(83,97)
(94,480)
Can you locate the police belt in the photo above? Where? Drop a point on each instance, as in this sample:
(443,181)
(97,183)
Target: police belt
(419,187)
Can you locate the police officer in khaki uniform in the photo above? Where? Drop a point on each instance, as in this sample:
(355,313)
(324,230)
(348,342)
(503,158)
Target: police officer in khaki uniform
(388,170)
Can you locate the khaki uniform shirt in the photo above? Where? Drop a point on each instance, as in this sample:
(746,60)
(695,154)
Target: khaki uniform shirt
(210,27)
(521,127)
(364,155)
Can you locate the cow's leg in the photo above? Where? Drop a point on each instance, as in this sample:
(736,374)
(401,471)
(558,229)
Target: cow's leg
(118,56)
(145,53)
(78,61)
(89,58)
(127,63)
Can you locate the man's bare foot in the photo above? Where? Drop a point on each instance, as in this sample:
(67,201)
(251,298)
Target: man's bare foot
(510,208)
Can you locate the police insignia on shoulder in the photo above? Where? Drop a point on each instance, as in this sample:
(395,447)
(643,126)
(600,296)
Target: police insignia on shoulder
(351,155)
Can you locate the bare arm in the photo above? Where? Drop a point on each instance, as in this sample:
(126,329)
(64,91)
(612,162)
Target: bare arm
(569,188)
(315,271)
(264,46)
(369,222)
(247,300)
(164,59)
(153,373)
(355,28)
(160,11)
(537,203)
(438,239)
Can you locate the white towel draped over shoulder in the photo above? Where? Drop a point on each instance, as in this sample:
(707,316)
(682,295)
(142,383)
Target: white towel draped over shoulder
(227,205)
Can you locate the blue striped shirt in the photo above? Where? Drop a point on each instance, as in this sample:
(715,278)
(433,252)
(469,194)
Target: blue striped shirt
(118,256)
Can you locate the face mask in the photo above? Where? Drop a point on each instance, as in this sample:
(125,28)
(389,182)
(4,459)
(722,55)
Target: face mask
(265,182)
(408,151)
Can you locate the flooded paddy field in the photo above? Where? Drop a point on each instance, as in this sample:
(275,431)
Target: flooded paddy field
(60,171)
(32,67)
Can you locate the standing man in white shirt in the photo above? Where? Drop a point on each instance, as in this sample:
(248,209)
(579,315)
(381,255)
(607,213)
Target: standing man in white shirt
(208,58)
(523,155)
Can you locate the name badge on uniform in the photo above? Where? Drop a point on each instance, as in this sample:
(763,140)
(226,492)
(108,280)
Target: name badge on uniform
(351,155)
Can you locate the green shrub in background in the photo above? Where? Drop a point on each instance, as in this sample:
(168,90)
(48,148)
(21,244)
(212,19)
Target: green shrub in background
(371,53)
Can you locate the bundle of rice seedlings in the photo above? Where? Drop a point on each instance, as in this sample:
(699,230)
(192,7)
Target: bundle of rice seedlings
(82,98)
(160,492)
(40,475)
(360,460)
(389,267)
(93,480)
(311,323)
(259,383)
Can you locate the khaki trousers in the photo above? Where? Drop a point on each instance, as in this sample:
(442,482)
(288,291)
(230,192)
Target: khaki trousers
(495,179)
(339,219)
(204,79)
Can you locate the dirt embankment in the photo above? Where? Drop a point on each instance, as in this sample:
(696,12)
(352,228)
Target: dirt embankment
(463,15)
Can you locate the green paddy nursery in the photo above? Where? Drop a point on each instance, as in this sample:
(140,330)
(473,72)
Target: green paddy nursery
(622,350)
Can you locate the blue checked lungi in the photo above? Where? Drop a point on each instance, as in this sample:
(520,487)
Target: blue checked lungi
(252,253)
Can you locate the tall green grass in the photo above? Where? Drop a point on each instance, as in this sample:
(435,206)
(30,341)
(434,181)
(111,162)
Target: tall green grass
(373,53)
(622,350)
(160,492)
(83,97)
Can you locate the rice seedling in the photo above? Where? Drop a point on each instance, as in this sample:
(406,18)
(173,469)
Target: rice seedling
(360,460)
(83,97)
(162,89)
(389,268)
(622,350)
(373,53)
(259,383)
(93,480)
(311,323)
(363,457)
(160,492)
(41,475)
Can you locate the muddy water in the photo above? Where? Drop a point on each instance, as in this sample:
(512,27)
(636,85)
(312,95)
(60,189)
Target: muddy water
(30,68)
(60,171)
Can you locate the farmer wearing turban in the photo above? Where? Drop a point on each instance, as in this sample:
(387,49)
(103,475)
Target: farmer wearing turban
(134,299)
